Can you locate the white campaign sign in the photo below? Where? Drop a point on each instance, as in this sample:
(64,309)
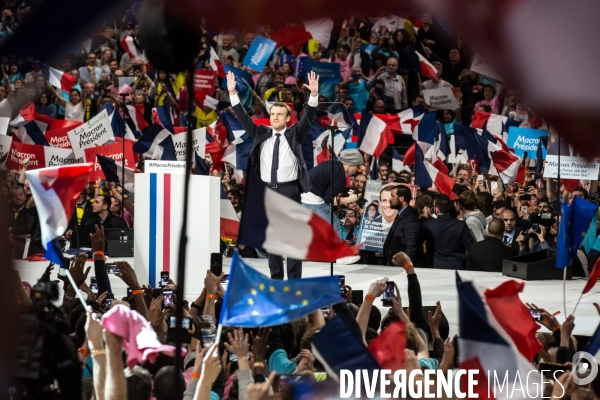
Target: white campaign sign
(440,99)
(198,143)
(56,156)
(571,168)
(164,167)
(96,132)
(5,144)
(481,67)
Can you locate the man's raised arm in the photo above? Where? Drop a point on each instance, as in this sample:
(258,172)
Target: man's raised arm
(242,116)
(309,115)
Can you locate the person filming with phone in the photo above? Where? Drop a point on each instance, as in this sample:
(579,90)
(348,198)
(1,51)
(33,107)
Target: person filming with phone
(394,85)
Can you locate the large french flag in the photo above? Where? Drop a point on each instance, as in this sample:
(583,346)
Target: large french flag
(410,119)
(215,63)
(146,145)
(398,162)
(497,125)
(130,44)
(238,152)
(57,78)
(162,115)
(278,225)
(426,68)
(55,191)
(230,223)
(136,112)
(377,132)
(294,38)
(426,175)
(27,113)
(118,125)
(497,333)
(113,171)
(32,132)
(440,150)
(426,132)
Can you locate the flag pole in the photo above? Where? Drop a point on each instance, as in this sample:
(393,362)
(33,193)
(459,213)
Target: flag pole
(559,215)
(332,130)
(576,305)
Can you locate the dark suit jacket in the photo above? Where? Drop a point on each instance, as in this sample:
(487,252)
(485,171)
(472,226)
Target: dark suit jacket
(515,245)
(87,215)
(295,136)
(111,222)
(488,254)
(447,240)
(26,223)
(404,235)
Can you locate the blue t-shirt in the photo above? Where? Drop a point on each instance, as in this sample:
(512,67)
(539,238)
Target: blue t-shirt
(358,92)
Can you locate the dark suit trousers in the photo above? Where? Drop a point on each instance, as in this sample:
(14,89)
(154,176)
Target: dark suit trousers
(294,267)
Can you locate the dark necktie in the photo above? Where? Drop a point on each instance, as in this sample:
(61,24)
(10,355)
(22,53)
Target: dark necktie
(275,164)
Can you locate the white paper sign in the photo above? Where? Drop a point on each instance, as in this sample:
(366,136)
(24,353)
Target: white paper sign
(440,99)
(481,67)
(164,167)
(5,143)
(4,121)
(198,142)
(56,156)
(95,132)
(571,168)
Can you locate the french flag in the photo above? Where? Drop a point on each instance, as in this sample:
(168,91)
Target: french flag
(234,129)
(321,151)
(398,162)
(202,167)
(426,132)
(410,119)
(118,125)
(238,152)
(426,175)
(497,125)
(113,171)
(294,38)
(32,132)
(130,44)
(136,112)
(27,113)
(273,223)
(440,150)
(230,223)
(342,120)
(154,135)
(426,68)
(162,115)
(55,191)
(497,334)
(165,150)
(377,132)
(215,63)
(59,79)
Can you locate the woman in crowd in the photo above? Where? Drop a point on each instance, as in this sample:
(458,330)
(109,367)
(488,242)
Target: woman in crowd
(489,100)
(44,105)
(74,108)
(372,212)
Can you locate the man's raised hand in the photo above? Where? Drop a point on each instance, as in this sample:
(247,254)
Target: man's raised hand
(231,83)
(313,83)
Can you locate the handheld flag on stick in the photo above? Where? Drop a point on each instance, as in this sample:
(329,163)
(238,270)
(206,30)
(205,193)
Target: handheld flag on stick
(575,222)
(55,191)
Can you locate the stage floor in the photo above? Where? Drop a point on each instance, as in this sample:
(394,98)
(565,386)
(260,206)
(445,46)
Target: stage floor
(436,285)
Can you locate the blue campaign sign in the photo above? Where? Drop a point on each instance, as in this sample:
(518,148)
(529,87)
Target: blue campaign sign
(368,48)
(239,75)
(328,72)
(259,53)
(526,140)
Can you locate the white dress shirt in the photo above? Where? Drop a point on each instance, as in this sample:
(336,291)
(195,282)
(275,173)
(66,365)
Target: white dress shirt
(288,163)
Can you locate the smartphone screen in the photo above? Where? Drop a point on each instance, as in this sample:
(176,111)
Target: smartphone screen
(225,281)
(342,282)
(494,185)
(208,336)
(216,263)
(185,322)
(111,268)
(164,278)
(167,297)
(109,299)
(387,296)
(94,285)
(536,314)
(129,292)
(326,311)
(524,209)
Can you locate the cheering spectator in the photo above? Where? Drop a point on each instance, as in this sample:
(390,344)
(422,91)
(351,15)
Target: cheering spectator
(489,99)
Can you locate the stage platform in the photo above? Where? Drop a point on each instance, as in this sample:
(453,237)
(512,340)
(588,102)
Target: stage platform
(436,284)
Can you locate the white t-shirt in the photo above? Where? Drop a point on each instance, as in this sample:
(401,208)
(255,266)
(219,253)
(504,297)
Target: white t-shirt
(74,113)
(5,109)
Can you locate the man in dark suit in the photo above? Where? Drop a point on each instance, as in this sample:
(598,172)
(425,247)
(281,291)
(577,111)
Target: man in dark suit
(276,154)
(447,239)
(103,217)
(81,214)
(511,230)
(22,222)
(405,233)
(488,254)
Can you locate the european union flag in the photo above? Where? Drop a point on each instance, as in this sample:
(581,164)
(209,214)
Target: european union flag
(575,222)
(253,300)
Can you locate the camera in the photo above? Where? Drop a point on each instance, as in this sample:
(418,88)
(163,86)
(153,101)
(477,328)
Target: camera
(536,228)
(44,292)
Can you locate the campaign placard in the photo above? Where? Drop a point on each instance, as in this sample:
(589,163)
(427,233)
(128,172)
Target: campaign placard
(571,168)
(21,151)
(440,99)
(59,138)
(526,140)
(328,72)
(481,67)
(114,151)
(56,156)
(95,132)
(204,81)
(198,143)
(259,53)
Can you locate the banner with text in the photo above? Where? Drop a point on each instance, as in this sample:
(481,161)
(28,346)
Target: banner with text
(204,84)
(328,72)
(56,156)
(198,143)
(5,143)
(21,151)
(164,167)
(259,53)
(95,132)
(571,168)
(59,137)
(440,99)
(114,151)
(526,140)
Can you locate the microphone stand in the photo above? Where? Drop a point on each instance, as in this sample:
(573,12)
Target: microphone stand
(332,129)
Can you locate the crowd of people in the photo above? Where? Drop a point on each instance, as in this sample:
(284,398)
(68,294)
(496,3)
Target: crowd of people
(484,223)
